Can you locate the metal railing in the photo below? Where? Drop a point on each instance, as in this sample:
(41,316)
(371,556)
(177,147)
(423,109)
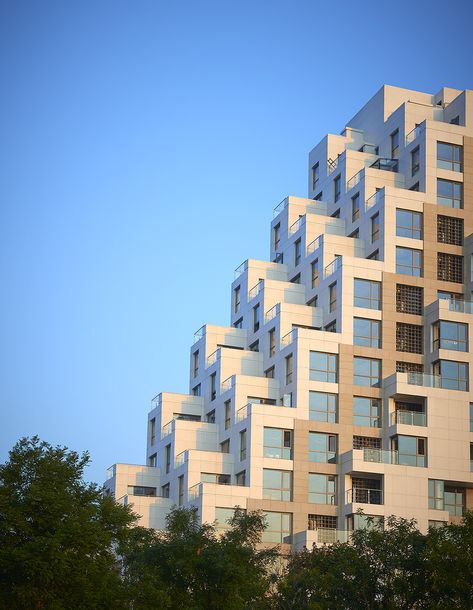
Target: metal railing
(226,385)
(412,135)
(166,429)
(369,149)
(214,356)
(380,456)
(271,313)
(280,207)
(409,418)
(199,334)
(333,266)
(288,338)
(365,496)
(375,198)
(460,305)
(387,165)
(355,179)
(314,245)
(296,225)
(241,268)
(242,413)
(181,458)
(437,381)
(194,492)
(254,292)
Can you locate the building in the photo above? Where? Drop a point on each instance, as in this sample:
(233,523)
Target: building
(343,380)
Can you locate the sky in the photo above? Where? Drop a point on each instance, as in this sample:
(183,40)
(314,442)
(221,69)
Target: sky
(143,146)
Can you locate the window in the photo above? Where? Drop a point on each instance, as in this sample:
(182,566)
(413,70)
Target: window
(450,296)
(355,207)
(168,458)
(337,188)
(367,294)
(319,196)
(409,338)
(272,342)
(331,327)
(332,290)
(375,227)
(210,417)
(326,523)
(279,528)
(236,299)
(450,335)
(152,431)
(366,522)
(196,391)
(297,252)
(408,224)
(449,156)
(409,299)
(276,236)
(153,460)
(314,268)
(323,407)
(436,494)
(355,234)
(374,256)
(367,412)
(415,161)
(449,194)
(228,413)
(289,369)
(315,175)
(366,442)
(395,144)
(181,490)
(366,372)
(256,319)
(322,489)
(240,478)
(213,386)
(453,375)
(277,443)
(322,448)
(140,490)
(411,450)
(415,187)
(269,373)
(313,302)
(215,479)
(366,332)
(455,120)
(242,445)
(277,485)
(454,500)
(450,230)
(238,323)
(449,267)
(323,367)
(408,261)
(195,363)
(222,517)
(165,490)
(471,416)
(336,214)
(225,446)
(409,367)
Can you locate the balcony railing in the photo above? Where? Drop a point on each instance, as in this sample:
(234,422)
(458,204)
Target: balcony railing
(460,305)
(412,135)
(194,492)
(241,269)
(213,357)
(437,381)
(226,385)
(271,313)
(296,225)
(330,536)
(333,266)
(166,429)
(365,496)
(387,165)
(280,207)
(314,245)
(377,197)
(199,334)
(242,413)
(369,149)
(180,458)
(409,418)
(380,456)
(254,292)
(288,338)
(355,179)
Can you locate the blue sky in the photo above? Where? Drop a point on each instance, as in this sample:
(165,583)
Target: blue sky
(143,146)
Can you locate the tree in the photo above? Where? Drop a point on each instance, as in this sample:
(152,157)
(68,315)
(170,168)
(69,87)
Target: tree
(197,568)
(58,533)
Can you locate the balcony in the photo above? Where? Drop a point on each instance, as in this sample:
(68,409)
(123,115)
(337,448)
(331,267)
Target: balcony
(288,338)
(213,357)
(166,429)
(241,268)
(242,413)
(387,165)
(413,135)
(354,179)
(314,245)
(377,197)
(436,381)
(460,305)
(254,292)
(364,496)
(296,225)
(226,385)
(380,456)
(280,207)
(409,418)
(271,313)
(333,266)
(319,537)
(199,334)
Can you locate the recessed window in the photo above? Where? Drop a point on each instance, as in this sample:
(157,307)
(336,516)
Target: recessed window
(213,386)
(366,332)
(450,335)
(195,363)
(409,224)
(210,417)
(449,267)
(449,156)
(323,367)
(277,485)
(332,291)
(240,478)
(415,161)
(409,299)
(408,261)
(238,323)
(272,342)
(256,317)
(314,268)
(297,252)
(315,175)
(322,489)
(276,236)
(367,294)
(375,227)
(289,371)
(322,447)
(331,327)
(367,412)
(165,489)
(180,482)
(269,373)
(366,371)
(450,230)
(452,375)
(228,413)
(242,445)
(449,194)
(323,407)
(225,446)
(196,391)
(337,188)
(355,207)
(395,144)
(410,450)
(236,299)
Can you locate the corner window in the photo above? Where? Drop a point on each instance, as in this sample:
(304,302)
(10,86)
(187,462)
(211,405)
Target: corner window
(452,375)
(450,335)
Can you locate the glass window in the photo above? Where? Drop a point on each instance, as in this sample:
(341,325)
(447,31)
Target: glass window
(242,445)
(454,500)
(240,478)
(276,235)
(375,227)
(277,443)
(236,299)
(367,412)
(366,372)
(436,494)
(322,489)
(366,522)
(323,367)
(471,416)
(272,341)
(395,144)
(315,273)
(323,407)
(180,481)
(315,176)
(367,294)
(415,161)
(195,361)
(277,485)
(449,156)
(278,528)
(225,446)
(449,194)
(222,518)
(409,224)
(322,448)
(213,386)
(256,320)
(168,458)
(228,413)
(450,335)
(332,296)
(453,375)
(289,369)
(337,188)
(355,207)
(408,261)
(366,332)
(297,252)
(411,450)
